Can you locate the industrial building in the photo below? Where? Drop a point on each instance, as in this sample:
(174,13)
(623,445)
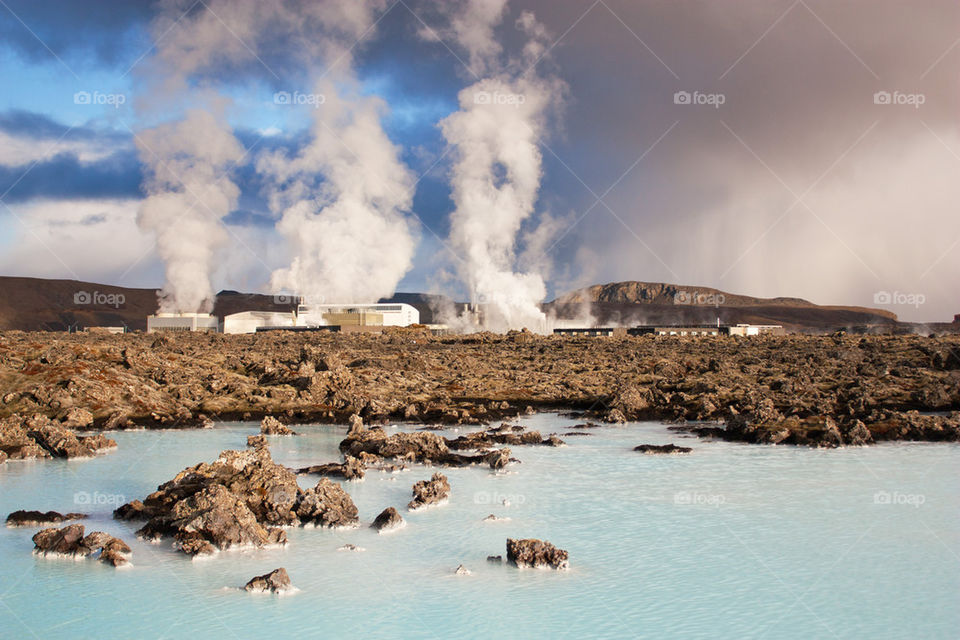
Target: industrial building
(175,322)
(358,315)
(253,321)
(676,330)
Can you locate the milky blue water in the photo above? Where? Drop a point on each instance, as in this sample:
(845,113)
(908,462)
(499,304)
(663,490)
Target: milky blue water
(731,541)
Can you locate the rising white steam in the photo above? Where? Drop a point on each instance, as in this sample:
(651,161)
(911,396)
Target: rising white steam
(342,192)
(342,203)
(497,168)
(187,195)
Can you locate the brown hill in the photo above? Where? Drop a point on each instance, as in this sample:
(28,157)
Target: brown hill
(631,303)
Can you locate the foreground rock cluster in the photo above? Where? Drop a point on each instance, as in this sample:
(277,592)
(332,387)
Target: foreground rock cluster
(71,541)
(815,390)
(243,498)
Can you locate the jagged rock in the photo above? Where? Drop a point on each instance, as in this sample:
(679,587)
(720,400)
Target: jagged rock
(356,426)
(351,547)
(239,499)
(77,418)
(327,505)
(40,518)
(350,469)
(65,541)
(417,447)
(40,437)
(536,553)
(270,426)
(388,519)
(70,541)
(462,571)
(498,458)
(662,449)
(277,581)
(257,441)
(431,491)
(496,559)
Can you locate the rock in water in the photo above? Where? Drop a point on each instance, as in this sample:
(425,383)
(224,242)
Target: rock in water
(277,581)
(40,518)
(240,499)
(351,547)
(387,520)
(70,541)
(462,571)
(257,441)
(661,448)
(356,426)
(431,491)
(270,426)
(495,559)
(536,553)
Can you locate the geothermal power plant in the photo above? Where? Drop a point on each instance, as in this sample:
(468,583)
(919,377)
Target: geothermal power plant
(306,317)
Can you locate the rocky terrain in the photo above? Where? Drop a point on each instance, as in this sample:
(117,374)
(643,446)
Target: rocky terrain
(826,390)
(536,554)
(242,498)
(277,581)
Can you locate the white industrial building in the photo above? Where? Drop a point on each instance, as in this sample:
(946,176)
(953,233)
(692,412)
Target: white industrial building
(385,314)
(250,321)
(182,322)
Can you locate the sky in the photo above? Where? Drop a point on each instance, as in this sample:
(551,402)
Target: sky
(772,148)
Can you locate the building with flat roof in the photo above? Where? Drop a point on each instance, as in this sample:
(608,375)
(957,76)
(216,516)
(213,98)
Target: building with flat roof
(359,315)
(253,321)
(174,322)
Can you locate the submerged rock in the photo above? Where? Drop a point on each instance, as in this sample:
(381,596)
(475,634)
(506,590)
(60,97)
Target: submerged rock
(257,441)
(662,449)
(421,446)
(388,519)
(495,559)
(431,491)
(462,571)
(351,547)
(536,553)
(40,518)
(350,469)
(277,581)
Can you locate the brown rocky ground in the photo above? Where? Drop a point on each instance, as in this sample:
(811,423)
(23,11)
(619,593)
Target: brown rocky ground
(791,389)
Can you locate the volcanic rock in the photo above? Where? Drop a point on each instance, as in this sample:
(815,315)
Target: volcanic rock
(277,581)
(431,491)
(662,449)
(40,518)
(536,553)
(388,519)
(270,426)
(70,541)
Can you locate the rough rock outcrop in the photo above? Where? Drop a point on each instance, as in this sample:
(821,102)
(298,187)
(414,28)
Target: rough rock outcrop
(270,426)
(662,449)
(536,553)
(257,441)
(388,519)
(504,434)
(432,491)
(70,541)
(350,469)
(40,437)
(277,581)
(40,518)
(422,446)
(240,499)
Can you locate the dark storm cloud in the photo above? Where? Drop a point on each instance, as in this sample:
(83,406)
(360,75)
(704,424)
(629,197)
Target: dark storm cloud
(92,31)
(65,177)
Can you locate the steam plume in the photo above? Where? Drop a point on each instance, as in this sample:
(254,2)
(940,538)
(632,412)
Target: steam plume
(497,168)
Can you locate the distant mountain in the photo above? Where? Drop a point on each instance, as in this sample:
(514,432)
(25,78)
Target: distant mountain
(38,304)
(632,303)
